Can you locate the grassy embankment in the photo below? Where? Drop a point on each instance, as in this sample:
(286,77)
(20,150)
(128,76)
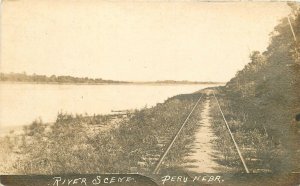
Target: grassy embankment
(259,151)
(75,144)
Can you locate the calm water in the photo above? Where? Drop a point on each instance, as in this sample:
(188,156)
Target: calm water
(20,104)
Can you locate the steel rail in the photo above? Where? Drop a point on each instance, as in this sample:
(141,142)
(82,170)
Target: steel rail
(231,135)
(155,171)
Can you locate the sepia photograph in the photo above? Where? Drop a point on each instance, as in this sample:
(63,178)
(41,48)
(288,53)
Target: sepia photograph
(141,92)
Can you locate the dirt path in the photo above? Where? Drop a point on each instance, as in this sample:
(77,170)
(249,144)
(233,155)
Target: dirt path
(201,159)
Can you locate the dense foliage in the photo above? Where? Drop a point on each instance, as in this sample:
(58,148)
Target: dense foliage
(263,98)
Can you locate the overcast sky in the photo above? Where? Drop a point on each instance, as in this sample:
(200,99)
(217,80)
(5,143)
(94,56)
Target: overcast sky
(134,40)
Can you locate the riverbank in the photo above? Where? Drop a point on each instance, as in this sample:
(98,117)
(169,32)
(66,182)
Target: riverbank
(23,103)
(20,144)
(53,149)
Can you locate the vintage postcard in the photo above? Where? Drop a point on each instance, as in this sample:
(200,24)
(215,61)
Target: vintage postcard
(140,92)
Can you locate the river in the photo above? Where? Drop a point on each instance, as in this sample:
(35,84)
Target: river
(22,103)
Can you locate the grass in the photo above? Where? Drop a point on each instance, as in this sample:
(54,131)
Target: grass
(70,146)
(105,144)
(260,152)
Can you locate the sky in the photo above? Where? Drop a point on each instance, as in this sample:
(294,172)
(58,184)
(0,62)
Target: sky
(134,40)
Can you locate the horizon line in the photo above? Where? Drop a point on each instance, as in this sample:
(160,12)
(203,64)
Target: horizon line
(125,81)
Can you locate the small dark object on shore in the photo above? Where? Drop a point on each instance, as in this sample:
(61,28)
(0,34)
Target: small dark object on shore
(297,117)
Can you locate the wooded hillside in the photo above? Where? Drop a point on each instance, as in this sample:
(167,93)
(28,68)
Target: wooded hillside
(265,94)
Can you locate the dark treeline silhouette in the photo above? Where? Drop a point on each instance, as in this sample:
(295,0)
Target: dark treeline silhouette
(23,77)
(185,82)
(263,97)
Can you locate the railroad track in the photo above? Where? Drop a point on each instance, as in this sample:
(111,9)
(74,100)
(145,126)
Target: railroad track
(232,137)
(173,140)
(156,169)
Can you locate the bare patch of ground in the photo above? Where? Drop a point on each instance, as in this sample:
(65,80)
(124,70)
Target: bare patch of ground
(200,158)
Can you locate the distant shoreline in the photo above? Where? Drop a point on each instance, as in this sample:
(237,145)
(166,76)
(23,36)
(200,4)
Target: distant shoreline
(115,83)
(53,79)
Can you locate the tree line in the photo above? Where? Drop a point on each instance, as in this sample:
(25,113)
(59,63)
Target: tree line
(23,77)
(264,95)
